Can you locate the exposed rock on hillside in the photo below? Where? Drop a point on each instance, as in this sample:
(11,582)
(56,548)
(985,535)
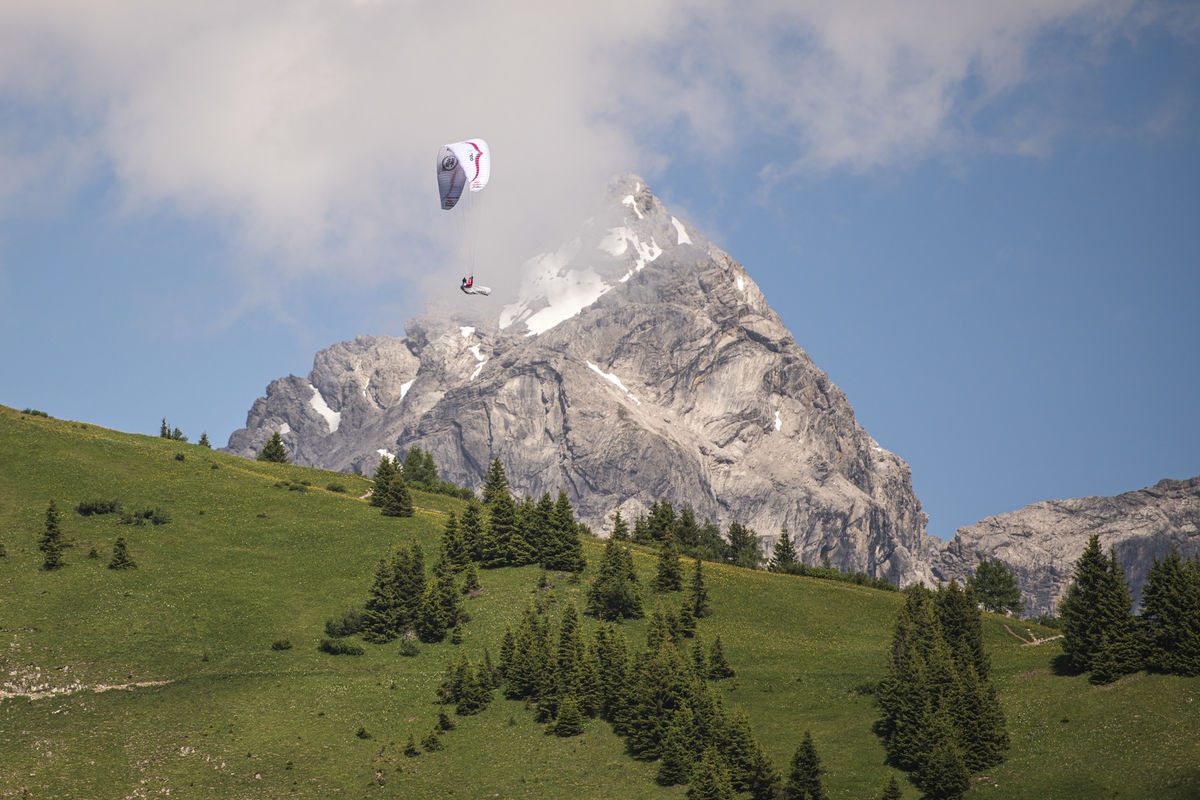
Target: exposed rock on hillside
(637,363)
(1042,542)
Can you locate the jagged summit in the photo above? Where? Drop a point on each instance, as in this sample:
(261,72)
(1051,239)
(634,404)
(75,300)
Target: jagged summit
(637,362)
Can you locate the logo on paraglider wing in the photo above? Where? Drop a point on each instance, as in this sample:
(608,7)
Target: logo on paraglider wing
(449,163)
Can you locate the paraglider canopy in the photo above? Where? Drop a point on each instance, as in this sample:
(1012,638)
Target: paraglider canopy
(462,165)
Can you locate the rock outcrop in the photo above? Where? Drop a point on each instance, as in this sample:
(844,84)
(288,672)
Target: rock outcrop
(1041,542)
(637,363)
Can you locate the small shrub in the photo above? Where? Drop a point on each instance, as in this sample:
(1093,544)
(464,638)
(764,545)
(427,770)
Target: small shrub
(87,508)
(362,733)
(409,648)
(179,457)
(339,647)
(336,487)
(33,412)
(432,742)
(350,623)
(281,644)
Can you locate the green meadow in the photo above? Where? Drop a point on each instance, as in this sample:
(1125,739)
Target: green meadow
(163,680)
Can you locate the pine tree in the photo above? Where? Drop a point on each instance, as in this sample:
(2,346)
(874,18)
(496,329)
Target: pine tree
(273,450)
(943,774)
(204,440)
(718,666)
(120,557)
(398,501)
(995,588)
(564,549)
(569,721)
(1097,618)
(384,472)
(804,781)
(620,530)
(615,594)
(471,528)
(669,575)
(742,548)
(495,483)
(381,615)
(710,779)
(454,549)
(51,543)
(783,555)
(535,525)
(687,532)
(698,593)
(418,469)
(677,756)
(659,523)
(1171,614)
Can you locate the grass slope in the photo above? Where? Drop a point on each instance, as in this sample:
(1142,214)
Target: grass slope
(162,680)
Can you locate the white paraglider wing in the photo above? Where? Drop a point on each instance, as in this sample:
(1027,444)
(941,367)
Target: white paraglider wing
(460,166)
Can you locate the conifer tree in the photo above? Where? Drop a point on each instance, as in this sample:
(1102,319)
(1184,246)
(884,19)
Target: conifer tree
(677,757)
(120,557)
(1097,618)
(804,780)
(687,532)
(942,773)
(718,666)
(620,530)
(742,546)
(569,721)
(440,609)
(995,588)
(418,469)
(536,527)
(454,549)
(615,594)
(1171,614)
(381,614)
(273,450)
(783,555)
(698,593)
(204,440)
(384,472)
(710,778)
(564,550)
(612,662)
(669,575)
(495,483)
(51,543)
(398,501)
(471,528)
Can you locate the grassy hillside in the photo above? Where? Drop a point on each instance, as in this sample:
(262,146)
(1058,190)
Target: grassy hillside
(162,680)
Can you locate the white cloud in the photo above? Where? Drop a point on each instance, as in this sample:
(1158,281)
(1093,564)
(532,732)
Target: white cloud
(308,129)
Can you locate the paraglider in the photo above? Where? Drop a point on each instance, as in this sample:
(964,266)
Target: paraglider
(464,166)
(469,287)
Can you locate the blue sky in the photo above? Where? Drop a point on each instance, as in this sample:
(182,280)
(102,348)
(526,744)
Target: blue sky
(983,222)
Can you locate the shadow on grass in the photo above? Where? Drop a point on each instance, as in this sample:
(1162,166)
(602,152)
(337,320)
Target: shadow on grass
(1061,665)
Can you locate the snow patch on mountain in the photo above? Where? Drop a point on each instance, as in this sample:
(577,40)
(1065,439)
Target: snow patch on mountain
(614,380)
(683,237)
(561,292)
(332,418)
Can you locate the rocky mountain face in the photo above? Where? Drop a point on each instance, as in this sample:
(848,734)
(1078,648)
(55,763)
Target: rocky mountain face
(637,363)
(1042,542)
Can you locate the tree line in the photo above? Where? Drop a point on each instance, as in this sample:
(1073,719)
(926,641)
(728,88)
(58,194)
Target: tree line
(1104,639)
(940,717)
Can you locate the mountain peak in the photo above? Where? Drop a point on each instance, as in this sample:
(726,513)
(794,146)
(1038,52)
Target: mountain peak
(630,231)
(638,363)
